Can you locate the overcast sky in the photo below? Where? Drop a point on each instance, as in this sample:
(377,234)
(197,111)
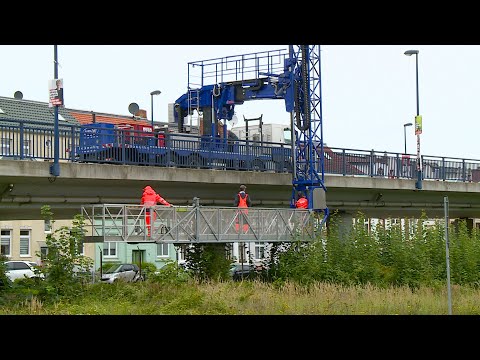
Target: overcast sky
(368,91)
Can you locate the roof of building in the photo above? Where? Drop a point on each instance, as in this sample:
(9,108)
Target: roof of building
(41,112)
(84,117)
(33,111)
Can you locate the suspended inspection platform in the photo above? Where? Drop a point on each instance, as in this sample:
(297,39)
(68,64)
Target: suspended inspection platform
(197,224)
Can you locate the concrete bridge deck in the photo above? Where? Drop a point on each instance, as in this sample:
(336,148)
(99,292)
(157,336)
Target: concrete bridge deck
(25,186)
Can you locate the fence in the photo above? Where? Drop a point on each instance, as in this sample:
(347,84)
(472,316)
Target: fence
(24,140)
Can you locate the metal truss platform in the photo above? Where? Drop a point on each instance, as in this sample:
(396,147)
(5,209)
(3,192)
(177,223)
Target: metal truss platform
(197,224)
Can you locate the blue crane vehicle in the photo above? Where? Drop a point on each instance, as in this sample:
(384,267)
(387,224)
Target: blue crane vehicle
(141,144)
(216,86)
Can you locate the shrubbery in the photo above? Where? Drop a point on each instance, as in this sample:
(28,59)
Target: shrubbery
(388,256)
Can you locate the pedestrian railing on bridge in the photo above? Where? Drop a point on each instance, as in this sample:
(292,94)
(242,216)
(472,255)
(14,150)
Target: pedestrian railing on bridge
(197,224)
(33,140)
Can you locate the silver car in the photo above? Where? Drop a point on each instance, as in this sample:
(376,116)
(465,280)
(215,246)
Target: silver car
(122,272)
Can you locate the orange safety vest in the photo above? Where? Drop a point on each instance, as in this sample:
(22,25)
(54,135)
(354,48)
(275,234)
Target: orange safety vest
(242,203)
(302,203)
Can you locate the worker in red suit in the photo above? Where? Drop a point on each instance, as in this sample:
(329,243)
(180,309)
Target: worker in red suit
(242,200)
(302,201)
(151,198)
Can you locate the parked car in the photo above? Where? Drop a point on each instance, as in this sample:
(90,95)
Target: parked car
(19,269)
(122,272)
(239,271)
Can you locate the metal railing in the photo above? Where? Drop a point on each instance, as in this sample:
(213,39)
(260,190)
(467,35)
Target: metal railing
(26,140)
(197,224)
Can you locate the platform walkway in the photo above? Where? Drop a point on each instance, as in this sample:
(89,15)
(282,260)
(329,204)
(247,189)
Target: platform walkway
(197,224)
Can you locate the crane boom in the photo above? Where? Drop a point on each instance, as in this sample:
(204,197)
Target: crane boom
(216,86)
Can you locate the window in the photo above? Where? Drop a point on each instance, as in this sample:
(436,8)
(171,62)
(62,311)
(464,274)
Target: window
(162,250)
(47,225)
(5,242)
(287,136)
(5,142)
(25,242)
(20,265)
(26,147)
(182,249)
(126,268)
(81,248)
(76,243)
(110,249)
(367,225)
(259,250)
(43,252)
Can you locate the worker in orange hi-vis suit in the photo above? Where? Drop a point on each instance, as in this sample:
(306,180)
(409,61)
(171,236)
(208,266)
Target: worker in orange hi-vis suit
(302,202)
(151,198)
(242,200)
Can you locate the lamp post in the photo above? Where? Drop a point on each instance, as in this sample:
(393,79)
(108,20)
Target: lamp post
(418,124)
(156,92)
(55,167)
(405,135)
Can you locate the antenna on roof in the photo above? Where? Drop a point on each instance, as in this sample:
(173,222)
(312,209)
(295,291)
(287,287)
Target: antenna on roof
(133,108)
(18,95)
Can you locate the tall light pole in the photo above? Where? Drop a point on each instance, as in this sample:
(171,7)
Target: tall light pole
(156,92)
(418,124)
(405,135)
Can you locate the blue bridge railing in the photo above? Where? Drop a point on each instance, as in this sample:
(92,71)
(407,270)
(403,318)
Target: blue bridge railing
(24,140)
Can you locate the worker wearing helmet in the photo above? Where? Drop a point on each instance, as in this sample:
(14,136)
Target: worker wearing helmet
(151,198)
(302,202)
(242,200)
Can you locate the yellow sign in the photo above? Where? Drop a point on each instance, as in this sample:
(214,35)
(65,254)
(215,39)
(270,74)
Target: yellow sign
(418,124)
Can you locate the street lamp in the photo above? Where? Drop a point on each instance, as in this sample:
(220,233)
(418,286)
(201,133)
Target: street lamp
(418,124)
(156,92)
(405,135)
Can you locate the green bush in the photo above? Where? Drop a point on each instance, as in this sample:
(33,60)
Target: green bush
(390,255)
(170,273)
(5,282)
(63,255)
(147,269)
(208,261)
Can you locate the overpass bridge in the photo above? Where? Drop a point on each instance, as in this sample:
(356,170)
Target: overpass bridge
(25,186)
(380,184)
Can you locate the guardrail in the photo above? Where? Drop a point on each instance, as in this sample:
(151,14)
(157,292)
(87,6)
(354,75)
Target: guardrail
(26,140)
(197,224)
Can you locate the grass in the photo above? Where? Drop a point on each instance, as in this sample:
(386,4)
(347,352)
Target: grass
(254,298)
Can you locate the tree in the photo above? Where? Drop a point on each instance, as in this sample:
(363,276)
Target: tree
(64,261)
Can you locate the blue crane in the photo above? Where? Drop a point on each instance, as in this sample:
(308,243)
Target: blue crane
(217,85)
